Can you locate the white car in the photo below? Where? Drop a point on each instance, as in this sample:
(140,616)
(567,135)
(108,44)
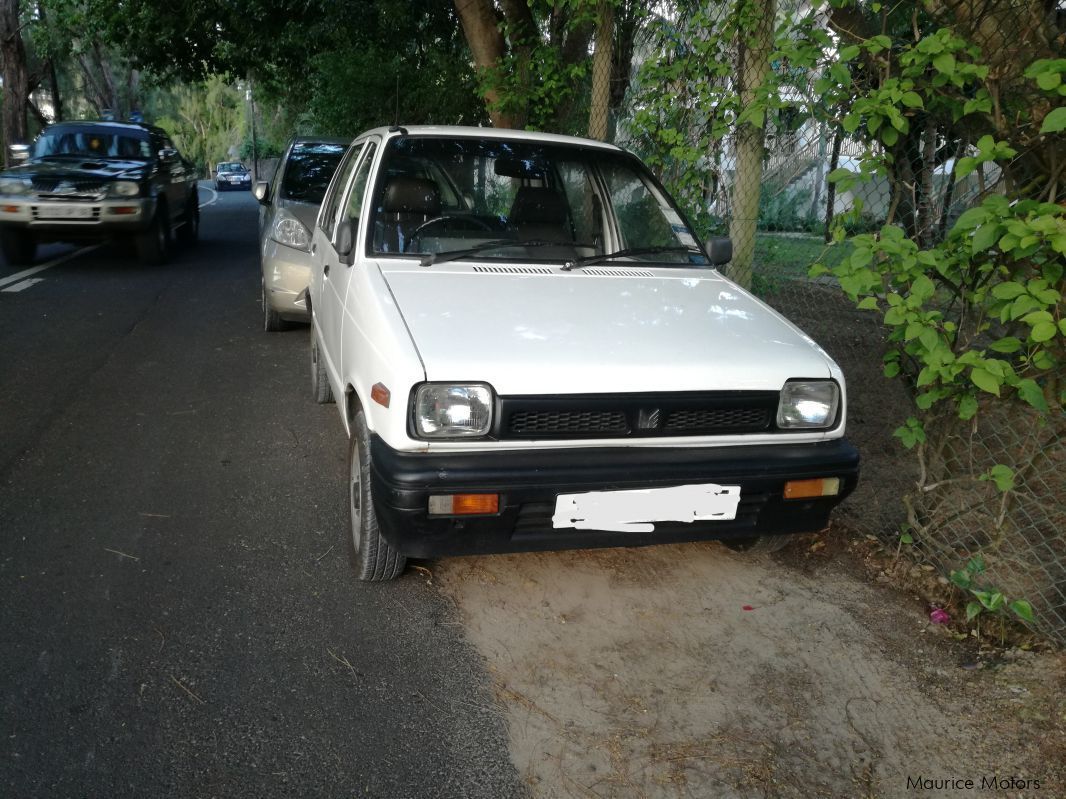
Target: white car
(530,349)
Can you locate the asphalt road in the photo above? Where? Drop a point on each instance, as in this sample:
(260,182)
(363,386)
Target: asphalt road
(178,617)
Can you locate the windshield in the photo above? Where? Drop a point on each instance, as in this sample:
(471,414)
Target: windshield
(232,167)
(308,171)
(553,201)
(91,143)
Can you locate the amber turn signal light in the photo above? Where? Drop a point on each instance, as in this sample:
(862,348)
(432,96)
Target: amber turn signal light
(464,504)
(806,489)
(380,394)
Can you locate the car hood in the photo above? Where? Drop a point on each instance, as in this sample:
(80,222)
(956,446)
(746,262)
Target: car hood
(597,330)
(109,169)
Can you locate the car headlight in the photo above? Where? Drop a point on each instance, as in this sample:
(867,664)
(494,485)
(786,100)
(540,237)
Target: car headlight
(14,186)
(124,188)
(450,410)
(808,404)
(290,231)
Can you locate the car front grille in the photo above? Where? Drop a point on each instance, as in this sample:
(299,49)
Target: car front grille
(636,415)
(61,188)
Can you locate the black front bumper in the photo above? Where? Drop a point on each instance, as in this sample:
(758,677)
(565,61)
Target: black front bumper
(529,481)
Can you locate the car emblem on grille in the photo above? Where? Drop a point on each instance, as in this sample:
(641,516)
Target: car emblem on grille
(64,188)
(648,419)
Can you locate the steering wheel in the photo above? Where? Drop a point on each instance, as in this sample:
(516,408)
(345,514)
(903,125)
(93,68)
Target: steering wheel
(460,222)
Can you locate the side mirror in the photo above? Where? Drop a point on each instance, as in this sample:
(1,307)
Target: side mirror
(719,250)
(346,241)
(168,154)
(19,152)
(262,192)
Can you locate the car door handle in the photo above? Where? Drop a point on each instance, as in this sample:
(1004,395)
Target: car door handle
(313,248)
(325,269)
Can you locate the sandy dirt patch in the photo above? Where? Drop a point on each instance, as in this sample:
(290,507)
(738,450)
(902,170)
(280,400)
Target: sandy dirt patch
(694,671)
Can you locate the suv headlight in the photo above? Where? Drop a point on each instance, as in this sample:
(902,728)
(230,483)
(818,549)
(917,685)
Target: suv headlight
(808,404)
(124,188)
(450,410)
(290,231)
(14,186)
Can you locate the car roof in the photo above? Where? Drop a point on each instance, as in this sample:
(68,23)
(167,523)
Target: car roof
(128,127)
(460,131)
(322,140)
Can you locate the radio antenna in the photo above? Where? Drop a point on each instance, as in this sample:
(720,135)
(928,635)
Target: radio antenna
(397,120)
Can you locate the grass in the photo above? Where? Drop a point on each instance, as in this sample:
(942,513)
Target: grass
(790,256)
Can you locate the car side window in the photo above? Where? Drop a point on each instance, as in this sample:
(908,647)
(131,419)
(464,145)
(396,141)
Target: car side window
(328,214)
(358,192)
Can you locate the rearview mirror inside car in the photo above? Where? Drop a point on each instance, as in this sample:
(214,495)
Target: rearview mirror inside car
(719,250)
(261,192)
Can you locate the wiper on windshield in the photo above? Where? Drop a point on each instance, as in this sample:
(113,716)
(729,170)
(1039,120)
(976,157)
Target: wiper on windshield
(610,256)
(451,255)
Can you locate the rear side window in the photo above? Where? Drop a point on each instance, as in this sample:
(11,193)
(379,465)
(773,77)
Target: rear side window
(308,171)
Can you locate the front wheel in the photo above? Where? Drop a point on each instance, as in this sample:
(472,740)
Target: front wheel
(153,245)
(189,231)
(272,321)
(372,558)
(18,247)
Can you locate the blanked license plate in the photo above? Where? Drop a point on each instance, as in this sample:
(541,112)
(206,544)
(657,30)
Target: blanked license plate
(64,211)
(637,510)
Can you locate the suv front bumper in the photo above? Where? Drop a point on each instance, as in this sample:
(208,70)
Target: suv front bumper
(76,218)
(529,481)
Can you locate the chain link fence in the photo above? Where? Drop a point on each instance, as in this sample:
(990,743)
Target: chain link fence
(936,501)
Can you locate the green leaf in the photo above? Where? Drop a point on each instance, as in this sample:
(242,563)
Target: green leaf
(967,407)
(986,381)
(891,369)
(849,52)
(889,136)
(868,304)
(1023,610)
(922,288)
(1043,331)
(840,174)
(944,63)
(960,578)
(1002,476)
(906,538)
(973,610)
(1055,121)
(1007,344)
(984,237)
(1007,290)
(1048,80)
(913,100)
(1029,390)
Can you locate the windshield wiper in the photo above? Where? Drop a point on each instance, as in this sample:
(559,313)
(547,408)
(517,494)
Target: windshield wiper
(451,255)
(610,256)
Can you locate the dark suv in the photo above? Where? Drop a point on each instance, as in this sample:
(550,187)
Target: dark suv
(98,180)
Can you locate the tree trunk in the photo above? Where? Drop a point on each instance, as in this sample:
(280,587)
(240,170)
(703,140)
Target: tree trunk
(753,67)
(483,37)
(601,73)
(16,79)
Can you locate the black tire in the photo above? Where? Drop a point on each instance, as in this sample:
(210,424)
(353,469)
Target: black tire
(373,558)
(758,545)
(189,231)
(18,246)
(272,321)
(153,245)
(321,390)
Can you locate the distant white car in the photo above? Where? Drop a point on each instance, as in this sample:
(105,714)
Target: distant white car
(289,206)
(232,175)
(531,349)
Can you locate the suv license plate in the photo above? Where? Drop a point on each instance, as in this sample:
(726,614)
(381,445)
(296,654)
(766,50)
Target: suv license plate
(635,511)
(64,211)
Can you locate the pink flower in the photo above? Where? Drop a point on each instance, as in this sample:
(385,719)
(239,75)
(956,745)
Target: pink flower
(939,616)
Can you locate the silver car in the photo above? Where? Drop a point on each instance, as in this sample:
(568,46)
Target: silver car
(289,206)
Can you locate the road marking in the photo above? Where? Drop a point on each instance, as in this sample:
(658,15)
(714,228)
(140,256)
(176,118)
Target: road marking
(214,198)
(25,284)
(54,262)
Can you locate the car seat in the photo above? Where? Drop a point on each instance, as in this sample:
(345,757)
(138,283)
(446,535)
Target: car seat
(540,213)
(406,203)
